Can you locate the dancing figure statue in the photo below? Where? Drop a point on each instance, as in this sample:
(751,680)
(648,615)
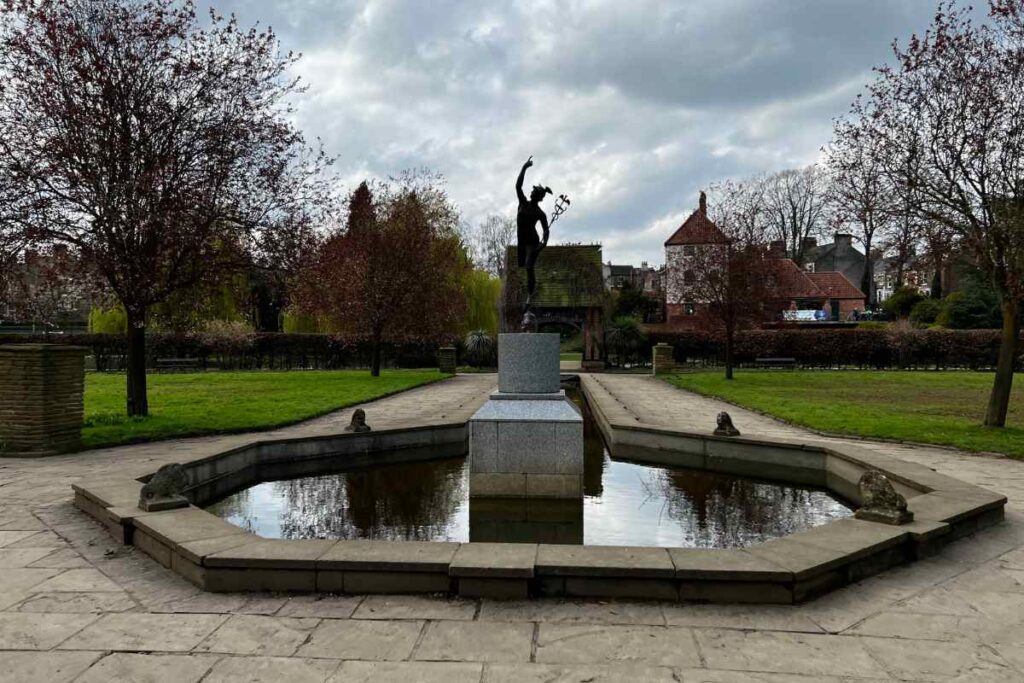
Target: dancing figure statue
(529,243)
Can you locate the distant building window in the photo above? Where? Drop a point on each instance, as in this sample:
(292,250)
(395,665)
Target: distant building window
(689,250)
(690,308)
(809,267)
(688,277)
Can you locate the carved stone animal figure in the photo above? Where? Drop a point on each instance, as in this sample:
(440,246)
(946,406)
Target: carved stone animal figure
(725,426)
(358,423)
(164,489)
(880,501)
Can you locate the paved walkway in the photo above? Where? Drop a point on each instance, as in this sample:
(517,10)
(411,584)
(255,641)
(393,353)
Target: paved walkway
(76,606)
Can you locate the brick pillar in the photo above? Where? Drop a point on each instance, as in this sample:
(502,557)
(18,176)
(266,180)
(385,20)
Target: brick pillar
(446,359)
(664,363)
(41,399)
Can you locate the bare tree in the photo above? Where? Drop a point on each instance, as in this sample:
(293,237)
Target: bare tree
(948,119)
(899,242)
(859,193)
(490,243)
(796,207)
(940,243)
(157,148)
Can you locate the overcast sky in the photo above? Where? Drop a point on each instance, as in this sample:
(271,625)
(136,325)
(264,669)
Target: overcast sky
(630,107)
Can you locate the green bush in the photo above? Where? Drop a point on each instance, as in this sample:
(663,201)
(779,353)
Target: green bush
(902,302)
(925,312)
(966,310)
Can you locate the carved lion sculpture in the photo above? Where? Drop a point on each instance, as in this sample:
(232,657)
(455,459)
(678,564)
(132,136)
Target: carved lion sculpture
(164,489)
(358,423)
(725,426)
(880,501)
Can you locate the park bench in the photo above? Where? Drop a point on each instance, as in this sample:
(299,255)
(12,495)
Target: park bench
(776,362)
(178,363)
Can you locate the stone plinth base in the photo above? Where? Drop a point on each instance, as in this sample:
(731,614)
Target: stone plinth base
(527,440)
(41,389)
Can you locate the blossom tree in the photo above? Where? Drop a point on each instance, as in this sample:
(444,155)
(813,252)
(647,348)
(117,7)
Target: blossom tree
(947,121)
(155,146)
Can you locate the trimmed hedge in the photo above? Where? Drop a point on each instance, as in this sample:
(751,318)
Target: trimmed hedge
(861,348)
(255,351)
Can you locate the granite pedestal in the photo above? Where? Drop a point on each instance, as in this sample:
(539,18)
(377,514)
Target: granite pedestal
(527,440)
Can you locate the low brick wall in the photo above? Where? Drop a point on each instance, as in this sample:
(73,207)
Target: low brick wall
(41,399)
(446,359)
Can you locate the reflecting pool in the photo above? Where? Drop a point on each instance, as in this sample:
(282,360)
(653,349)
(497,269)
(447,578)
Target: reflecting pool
(624,503)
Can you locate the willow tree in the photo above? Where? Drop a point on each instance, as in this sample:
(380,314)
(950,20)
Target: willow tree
(947,120)
(157,147)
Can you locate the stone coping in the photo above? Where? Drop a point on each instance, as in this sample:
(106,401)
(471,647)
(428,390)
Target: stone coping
(219,556)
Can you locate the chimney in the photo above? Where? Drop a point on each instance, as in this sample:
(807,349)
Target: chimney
(810,243)
(844,240)
(777,249)
(643,264)
(703,203)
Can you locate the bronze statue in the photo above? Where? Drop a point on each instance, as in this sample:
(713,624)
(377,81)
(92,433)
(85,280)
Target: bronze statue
(529,244)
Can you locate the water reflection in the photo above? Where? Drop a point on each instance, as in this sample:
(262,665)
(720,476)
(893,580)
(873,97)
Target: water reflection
(421,501)
(625,504)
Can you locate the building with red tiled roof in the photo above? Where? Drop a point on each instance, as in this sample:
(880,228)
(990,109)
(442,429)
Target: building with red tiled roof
(835,285)
(822,296)
(697,229)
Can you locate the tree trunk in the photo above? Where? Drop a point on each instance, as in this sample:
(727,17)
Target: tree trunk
(999,399)
(937,284)
(375,353)
(138,401)
(728,353)
(867,284)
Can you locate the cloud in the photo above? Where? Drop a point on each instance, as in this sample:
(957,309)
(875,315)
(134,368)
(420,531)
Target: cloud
(629,107)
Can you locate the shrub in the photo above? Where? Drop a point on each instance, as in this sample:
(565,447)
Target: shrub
(902,302)
(254,351)
(925,312)
(895,346)
(964,311)
(481,349)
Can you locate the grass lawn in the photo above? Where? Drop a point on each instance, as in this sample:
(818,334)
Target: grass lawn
(932,407)
(190,404)
(570,355)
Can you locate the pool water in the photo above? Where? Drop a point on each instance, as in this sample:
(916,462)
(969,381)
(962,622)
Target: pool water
(624,503)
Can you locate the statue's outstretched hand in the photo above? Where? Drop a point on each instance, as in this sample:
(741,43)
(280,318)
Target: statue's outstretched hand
(529,162)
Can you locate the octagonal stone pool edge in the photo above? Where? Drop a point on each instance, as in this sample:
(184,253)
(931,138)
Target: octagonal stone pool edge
(218,556)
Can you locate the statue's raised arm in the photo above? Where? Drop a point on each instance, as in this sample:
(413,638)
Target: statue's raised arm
(521,178)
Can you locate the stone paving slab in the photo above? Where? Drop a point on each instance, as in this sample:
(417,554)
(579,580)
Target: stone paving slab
(978,580)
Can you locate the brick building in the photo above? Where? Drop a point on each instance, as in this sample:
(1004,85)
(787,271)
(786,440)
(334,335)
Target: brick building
(822,296)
